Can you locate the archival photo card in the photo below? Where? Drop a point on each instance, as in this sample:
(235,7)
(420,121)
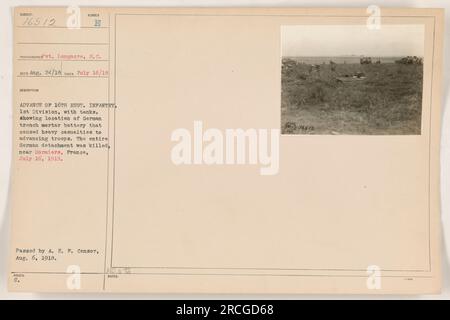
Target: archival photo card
(352,79)
(148,157)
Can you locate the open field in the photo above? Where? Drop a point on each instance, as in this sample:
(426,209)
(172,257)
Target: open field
(351,98)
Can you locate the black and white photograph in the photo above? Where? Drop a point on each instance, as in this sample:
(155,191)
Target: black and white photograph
(352,80)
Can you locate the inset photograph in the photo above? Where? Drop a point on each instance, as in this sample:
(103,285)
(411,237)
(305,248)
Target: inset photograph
(352,80)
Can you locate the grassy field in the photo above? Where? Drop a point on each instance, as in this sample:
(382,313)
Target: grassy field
(375,99)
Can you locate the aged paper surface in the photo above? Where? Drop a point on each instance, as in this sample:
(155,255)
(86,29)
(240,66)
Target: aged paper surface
(226,150)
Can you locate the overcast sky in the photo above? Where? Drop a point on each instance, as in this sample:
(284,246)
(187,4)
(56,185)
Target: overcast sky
(337,40)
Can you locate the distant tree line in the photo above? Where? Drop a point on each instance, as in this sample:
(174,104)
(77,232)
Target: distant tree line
(410,60)
(404,60)
(368,60)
